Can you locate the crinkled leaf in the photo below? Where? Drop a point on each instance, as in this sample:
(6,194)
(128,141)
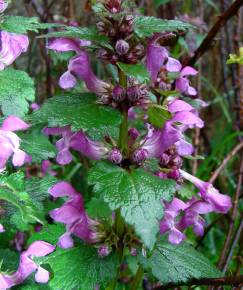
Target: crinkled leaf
(13,191)
(80,268)
(17,88)
(137,71)
(137,193)
(87,33)
(98,209)
(158,115)
(37,145)
(49,234)
(147,26)
(20,24)
(178,263)
(9,260)
(81,111)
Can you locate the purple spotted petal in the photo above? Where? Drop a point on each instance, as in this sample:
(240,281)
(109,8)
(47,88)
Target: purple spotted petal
(66,241)
(42,275)
(67,81)
(188,71)
(173,65)
(65,44)
(61,189)
(176,236)
(13,123)
(179,106)
(188,118)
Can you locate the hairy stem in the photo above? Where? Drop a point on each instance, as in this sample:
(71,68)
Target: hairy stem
(137,279)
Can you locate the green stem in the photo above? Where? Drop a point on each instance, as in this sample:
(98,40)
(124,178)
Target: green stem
(137,279)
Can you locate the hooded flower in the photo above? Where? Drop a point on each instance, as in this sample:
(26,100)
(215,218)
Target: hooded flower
(183,84)
(73,215)
(77,141)
(27,266)
(159,140)
(11,46)
(79,66)
(169,222)
(219,202)
(3,5)
(10,142)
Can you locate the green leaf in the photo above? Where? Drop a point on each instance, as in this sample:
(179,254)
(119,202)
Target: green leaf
(78,110)
(137,71)
(20,24)
(17,88)
(9,260)
(137,193)
(178,263)
(37,145)
(80,268)
(158,115)
(49,234)
(98,209)
(158,3)
(87,33)
(12,190)
(147,26)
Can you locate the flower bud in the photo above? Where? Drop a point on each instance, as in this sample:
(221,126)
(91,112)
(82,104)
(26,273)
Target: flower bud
(118,94)
(122,47)
(133,93)
(115,156)
(174,174)
(103,251)
(133,133)
(176,162)
(164,159)
(134,252)
(140,155)
(100,26)
(113,6)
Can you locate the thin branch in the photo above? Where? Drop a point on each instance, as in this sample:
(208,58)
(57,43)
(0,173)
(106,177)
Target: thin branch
(206,44)
(231,280)
(225,161)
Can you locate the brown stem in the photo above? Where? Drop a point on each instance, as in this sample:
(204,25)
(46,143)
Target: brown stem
(206,44)
(225,161)
(227,242)
(231,280)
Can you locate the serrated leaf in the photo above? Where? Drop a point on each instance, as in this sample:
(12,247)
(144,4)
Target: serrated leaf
(12,190)
(80,268)
(178,263)
(9,260)
(21,25)
(137,193)
(87,33)
(49,234)
(17,88)
(37,145)
(98,209)
(78,110)
(158,115)
(147,26)
(137,71)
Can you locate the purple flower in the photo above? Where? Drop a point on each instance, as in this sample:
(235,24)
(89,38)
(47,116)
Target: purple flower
(118,94)
(79,66)
(73,215)
(27,266)
(77,141)
(2,230)
(192,216)
(156,57)
(140,155)
(219,202)
(169,222)
(10,142)
(3,5)
(46,168)
(11,46)
(183,84)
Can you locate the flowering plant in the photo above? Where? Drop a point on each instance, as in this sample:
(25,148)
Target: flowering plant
(95,172)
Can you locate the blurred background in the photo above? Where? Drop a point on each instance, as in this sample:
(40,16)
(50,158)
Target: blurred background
(218,83)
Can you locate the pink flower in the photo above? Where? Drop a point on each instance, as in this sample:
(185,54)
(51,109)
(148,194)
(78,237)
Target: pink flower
(219,202)
(169,222)
(10,142)
(77,141)
(2,230)
(79,66)
(12,45)
(183,84)
(3,5)
(73,215)
(27,266)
